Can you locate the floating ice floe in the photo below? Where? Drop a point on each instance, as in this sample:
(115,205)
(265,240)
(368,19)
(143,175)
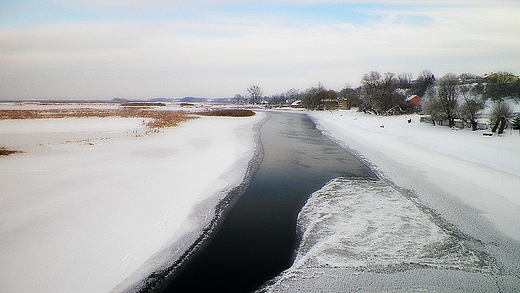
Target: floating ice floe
(359,227)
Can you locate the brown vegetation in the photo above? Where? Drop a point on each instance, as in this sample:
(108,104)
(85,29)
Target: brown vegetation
(228,113)
(156,119)
(143,104)
(164,119)
(6,152)
(160,119)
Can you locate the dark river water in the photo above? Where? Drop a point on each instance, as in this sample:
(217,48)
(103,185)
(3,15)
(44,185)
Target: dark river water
(257,238)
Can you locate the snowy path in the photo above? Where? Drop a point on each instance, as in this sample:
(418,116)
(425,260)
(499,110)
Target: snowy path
(89,203)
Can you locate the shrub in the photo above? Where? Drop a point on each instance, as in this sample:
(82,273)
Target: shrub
(160,119)
(228,113)
(6,152)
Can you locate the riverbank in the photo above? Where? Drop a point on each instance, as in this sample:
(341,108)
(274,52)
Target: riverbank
(463,183)
(88,201)
(442,219)
(460,165)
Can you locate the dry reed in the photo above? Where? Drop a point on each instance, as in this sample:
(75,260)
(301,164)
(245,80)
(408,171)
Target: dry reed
(228,113)
(160,119)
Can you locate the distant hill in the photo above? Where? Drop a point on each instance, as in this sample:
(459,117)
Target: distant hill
(192,100)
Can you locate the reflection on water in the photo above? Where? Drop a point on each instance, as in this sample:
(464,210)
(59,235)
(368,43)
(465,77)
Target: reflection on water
(258,237)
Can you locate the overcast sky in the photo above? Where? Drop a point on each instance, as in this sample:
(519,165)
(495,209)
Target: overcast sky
(102,49)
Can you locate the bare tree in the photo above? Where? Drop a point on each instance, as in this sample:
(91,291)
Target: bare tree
(500,112)
(448,96)
(293,95)
(432,106)
(239,99)
(420,85)
(404,80)
(309,100)
(471,105)
(380,95)
(255,92)
(277,100)
(470,110)
(350,97)
(325,100)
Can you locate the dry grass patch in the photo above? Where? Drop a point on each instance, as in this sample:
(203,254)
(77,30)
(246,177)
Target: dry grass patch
(160,119)
(228,113)
(143,104)
(164,119)
(6,152)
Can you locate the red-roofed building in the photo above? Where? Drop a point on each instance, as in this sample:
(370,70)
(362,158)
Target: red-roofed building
(414,99)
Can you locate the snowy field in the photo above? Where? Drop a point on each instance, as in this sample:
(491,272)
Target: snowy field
(90,200)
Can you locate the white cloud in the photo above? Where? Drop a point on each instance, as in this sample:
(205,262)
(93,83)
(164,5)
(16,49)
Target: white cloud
(222,55)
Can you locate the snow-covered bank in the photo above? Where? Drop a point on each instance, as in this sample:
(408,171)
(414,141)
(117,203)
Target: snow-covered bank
(92,199)
(446,220)
(442,166)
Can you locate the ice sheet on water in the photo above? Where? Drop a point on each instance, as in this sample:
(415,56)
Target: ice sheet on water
(359,225)
(369,224)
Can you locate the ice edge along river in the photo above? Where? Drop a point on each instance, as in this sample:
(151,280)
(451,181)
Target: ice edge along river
(157,271)
(257,238)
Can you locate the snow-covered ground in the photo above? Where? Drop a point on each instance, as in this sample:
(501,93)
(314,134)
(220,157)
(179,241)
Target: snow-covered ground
(92,199)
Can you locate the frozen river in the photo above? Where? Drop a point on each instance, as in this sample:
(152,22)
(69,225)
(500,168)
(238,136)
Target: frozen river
(440,219)
(257,239)
(314,218)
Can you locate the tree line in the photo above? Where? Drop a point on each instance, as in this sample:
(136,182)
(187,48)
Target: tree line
(444,99)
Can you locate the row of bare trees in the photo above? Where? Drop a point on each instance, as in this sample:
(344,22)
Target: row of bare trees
(386,94)
(464,97)
(448,98)
(314,98)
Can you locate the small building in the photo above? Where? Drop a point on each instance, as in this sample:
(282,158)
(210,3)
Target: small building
(414,99)
(297,104)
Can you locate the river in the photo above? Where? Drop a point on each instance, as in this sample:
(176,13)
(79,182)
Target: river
(257,238)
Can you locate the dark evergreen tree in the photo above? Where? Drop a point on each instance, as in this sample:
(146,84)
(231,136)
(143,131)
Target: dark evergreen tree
(421,84)
(501,86)
(516,122)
